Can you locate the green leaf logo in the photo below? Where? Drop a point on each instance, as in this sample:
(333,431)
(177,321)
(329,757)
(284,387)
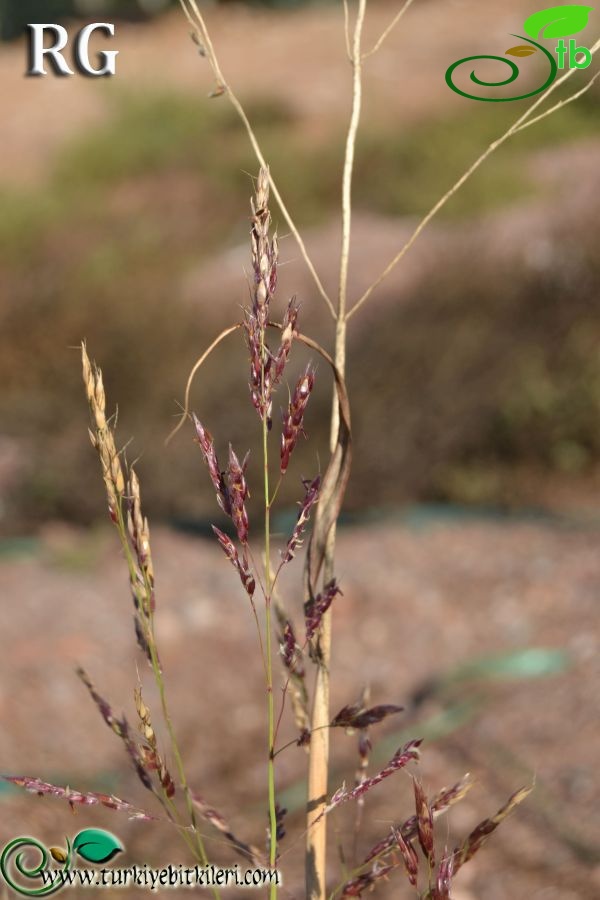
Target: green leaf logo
(96,846)
(558,21)
(521,50)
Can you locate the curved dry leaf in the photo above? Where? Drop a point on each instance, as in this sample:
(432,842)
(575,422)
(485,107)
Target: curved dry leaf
(521,50)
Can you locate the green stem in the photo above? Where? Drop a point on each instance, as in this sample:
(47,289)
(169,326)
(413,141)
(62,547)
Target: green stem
(200,851)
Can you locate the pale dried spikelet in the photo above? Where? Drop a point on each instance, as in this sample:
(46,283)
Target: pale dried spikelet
(153,761)
(482,832)
(103,437)
(139,529)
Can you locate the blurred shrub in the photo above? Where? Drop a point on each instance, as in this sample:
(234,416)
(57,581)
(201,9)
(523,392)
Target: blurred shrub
(490,367)
(486,367)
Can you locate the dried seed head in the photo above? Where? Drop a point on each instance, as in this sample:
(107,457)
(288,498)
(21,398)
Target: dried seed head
(88,378)
(139,530)
(103,437)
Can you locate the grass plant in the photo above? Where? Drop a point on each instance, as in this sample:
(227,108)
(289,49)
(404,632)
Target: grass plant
(302,638)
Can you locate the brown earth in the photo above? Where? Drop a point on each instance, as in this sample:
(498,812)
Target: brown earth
(417,603)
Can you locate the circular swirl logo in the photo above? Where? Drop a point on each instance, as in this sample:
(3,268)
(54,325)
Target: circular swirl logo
(555,22)
(514,72)
(14,866)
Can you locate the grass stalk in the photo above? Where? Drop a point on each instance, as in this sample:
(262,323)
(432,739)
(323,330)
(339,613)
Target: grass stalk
(318,765)
(268,633)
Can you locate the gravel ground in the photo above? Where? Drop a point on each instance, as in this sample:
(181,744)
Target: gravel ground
(417,604)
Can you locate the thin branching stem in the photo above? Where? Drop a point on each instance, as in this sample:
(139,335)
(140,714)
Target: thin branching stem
(199,850)
(196,20)
(560,104)
(517,126)
(388,30)
(197,365)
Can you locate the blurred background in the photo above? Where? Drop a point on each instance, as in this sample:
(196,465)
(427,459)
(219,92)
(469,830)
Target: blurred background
(474,377)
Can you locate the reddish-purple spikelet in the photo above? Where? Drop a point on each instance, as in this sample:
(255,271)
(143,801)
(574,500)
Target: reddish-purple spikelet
(290,651)
(442,801)
(141,639)
(260,384)
(288,331)
(280,814)
(481,833)
(358,886)
(218,821)
(42,788)
(315,609)
(424,822)
(444,877)
(238,492)
(304,739)
(355,716)
(294,418)
(207,446)
(311,497)
(241,565)
(120,727)
(409,855)
(264,264)
(401,758)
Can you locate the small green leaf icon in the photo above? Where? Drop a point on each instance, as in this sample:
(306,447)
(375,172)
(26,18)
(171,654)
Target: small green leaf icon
(558,21)
(96,846)
(521,50)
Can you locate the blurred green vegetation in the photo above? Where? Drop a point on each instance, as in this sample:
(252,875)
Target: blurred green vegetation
(485,367)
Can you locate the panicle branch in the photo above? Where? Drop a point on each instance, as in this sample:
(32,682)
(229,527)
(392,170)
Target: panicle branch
(79,798)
